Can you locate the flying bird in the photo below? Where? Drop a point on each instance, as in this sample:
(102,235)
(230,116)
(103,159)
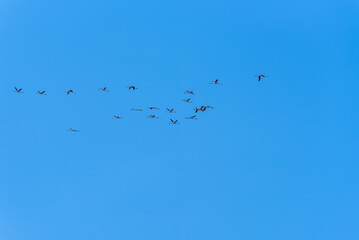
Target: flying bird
(117,117)
(18,90)
(174,122)
(73,130)
(261,76)
(188,100)
(152,116)
(205,107)
(70,91)
(136,109)
(193,117)
(41,93)
(189,92)
(154,108)
(104,89)
(198,109)
(170,110)
(132,87)
(215,82)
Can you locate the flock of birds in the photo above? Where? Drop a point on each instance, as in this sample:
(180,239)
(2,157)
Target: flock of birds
(173,122)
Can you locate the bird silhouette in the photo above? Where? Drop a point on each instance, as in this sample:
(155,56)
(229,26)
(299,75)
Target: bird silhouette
(193,117)
(189,92)
(73,130)
(104,89)
(117,117)
(132,87)
(188,100)
(261,76)
(215,82)
(41,93)
(198,109)
(70,91)
(18,90)
(170,110)
(205,107)
(152,116)
(174,122)
(136,109)
(154,108)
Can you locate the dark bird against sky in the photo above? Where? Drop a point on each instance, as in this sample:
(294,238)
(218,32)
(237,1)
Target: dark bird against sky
(261,76)
(18,90)
(174,122)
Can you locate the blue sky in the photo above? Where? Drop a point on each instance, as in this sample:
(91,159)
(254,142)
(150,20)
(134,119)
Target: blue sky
(273,160)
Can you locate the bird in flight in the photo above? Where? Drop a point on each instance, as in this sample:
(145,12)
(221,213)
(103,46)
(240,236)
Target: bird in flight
(104,89)
(152,116)
(215,82)
(18,90)
(154,108)
(41,93)
(188,100)
(132,87)
(136,109)
(205,107)
(117,117)
(174,122)
(73,130)
(189,92)
(193,117)
(198,109)
(170,110)
(261,76)
(70,91)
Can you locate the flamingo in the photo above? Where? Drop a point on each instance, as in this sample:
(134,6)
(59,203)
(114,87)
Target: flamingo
(18,90)
(215,82)
(154,108)
(152,116)
(198,109)
(261,76)
(193,117)
(70,91)
(73,130)
(174,122)
(170,110)
(104,89)
(189,92)
(205,107)
(136,109)
(188,100)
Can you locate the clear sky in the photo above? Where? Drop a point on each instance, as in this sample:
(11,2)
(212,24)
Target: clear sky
(273,160)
